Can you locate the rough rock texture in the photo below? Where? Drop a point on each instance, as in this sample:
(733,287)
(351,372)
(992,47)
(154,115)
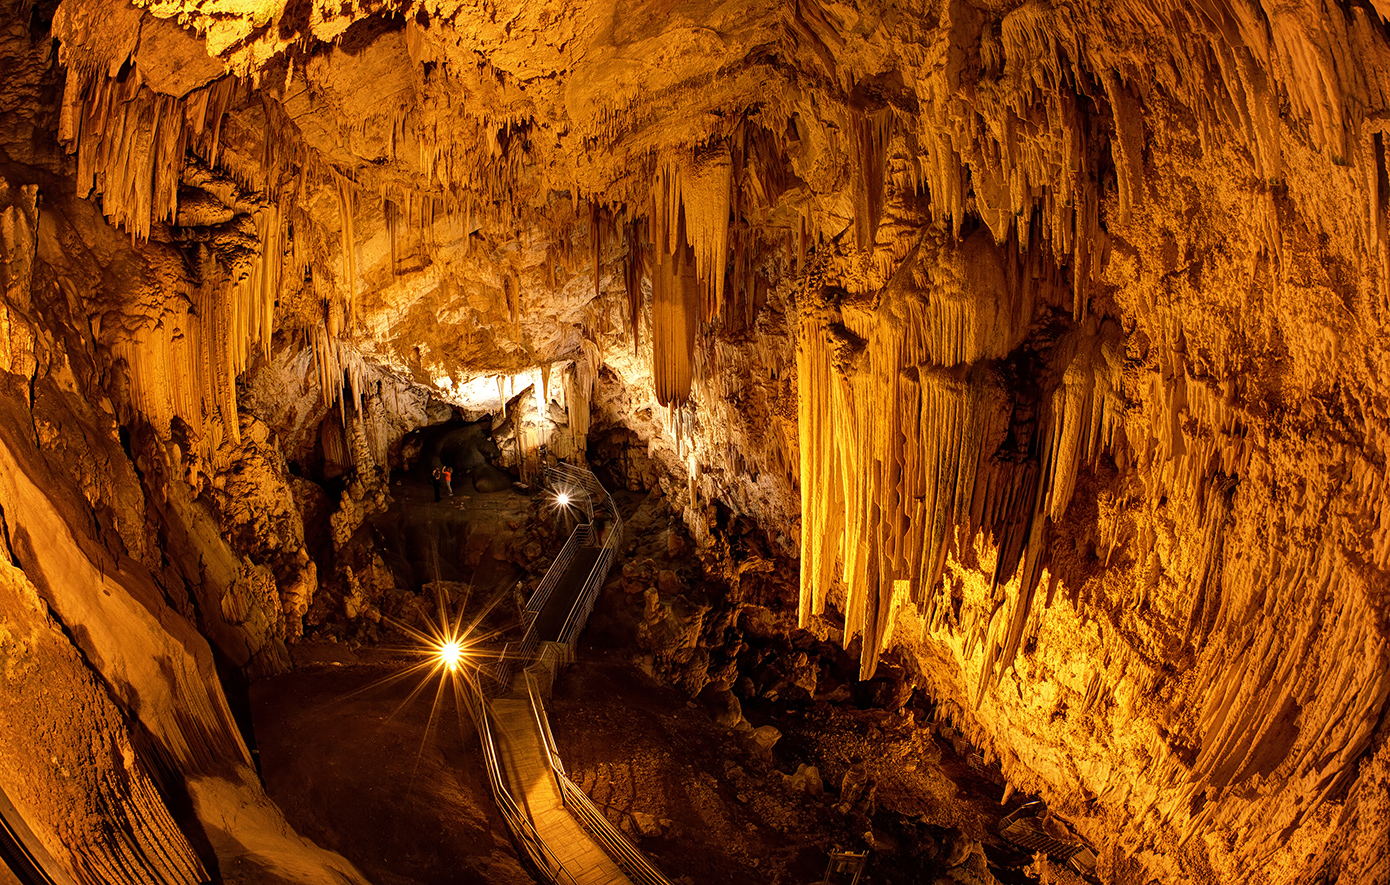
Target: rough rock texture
(122,754)
(1051,336)
(94,806)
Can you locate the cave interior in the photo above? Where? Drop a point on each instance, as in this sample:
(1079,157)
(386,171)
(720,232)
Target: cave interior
(963,425)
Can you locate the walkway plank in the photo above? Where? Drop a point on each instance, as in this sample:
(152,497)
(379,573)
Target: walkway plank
(532,784)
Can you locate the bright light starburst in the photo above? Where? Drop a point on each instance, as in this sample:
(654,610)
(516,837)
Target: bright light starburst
(447,647)
(562,501)
(451,653)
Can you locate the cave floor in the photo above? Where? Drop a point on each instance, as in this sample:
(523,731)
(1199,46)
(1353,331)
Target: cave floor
(716,808)
(717,802)
(478,544)
(360,769)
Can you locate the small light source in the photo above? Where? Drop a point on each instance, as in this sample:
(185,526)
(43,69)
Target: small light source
(450,653)
(563,499)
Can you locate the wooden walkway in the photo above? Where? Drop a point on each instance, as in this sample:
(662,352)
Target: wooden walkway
(550,620)
(528,782)
(525,766)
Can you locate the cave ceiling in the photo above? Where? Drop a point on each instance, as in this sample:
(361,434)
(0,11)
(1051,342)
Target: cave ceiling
(1053,338)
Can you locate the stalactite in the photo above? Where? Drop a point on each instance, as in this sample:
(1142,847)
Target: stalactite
(185,365)
(19,244)
(1128,145)
(389,212)
(675,317)
(686,248)
(579,392)
(338,367)
(131,142)
(596,238)
(911,443)
(346,210)
(704,195)
(676,294)
(635,267)
(870,133)
(822,484)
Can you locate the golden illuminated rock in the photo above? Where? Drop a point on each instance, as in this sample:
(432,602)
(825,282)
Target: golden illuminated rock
(1050,337)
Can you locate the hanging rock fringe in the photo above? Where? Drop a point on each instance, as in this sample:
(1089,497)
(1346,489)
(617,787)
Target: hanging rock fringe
(675,321)
(634,268)
(346,210)
(185,364)
(131,142)
(870,133)
(704,195)
(579,393)
(903,427)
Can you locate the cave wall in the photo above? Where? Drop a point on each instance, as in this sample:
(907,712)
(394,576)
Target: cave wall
(120,587)
(1048,336)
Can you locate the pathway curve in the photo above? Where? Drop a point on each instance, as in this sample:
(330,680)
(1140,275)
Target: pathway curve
(551,619)
(542,805)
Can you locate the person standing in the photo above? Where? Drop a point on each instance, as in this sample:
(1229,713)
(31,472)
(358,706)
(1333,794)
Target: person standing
(447,473)
(436,477)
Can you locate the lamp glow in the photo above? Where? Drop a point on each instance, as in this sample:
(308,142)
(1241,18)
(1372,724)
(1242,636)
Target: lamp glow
(563,499)
(451,653)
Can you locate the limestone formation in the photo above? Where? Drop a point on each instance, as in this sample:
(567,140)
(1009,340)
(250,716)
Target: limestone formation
(1049,337)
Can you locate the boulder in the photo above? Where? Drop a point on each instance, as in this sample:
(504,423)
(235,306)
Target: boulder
(807,779)
(668,583)
(647,825)
(766,736)
(721,704)
(487,478)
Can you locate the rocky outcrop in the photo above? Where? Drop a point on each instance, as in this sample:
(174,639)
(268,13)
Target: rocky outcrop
(85,791)
(122,755)
(153,663)
(1047,336)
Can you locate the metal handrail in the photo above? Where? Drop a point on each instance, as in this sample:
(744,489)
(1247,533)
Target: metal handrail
(520,651)
(552,752)
(582,535)
(623,852)
(517,821)
(584,602)
(595,492)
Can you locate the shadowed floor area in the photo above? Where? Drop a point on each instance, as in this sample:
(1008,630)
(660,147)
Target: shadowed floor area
(406,801)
